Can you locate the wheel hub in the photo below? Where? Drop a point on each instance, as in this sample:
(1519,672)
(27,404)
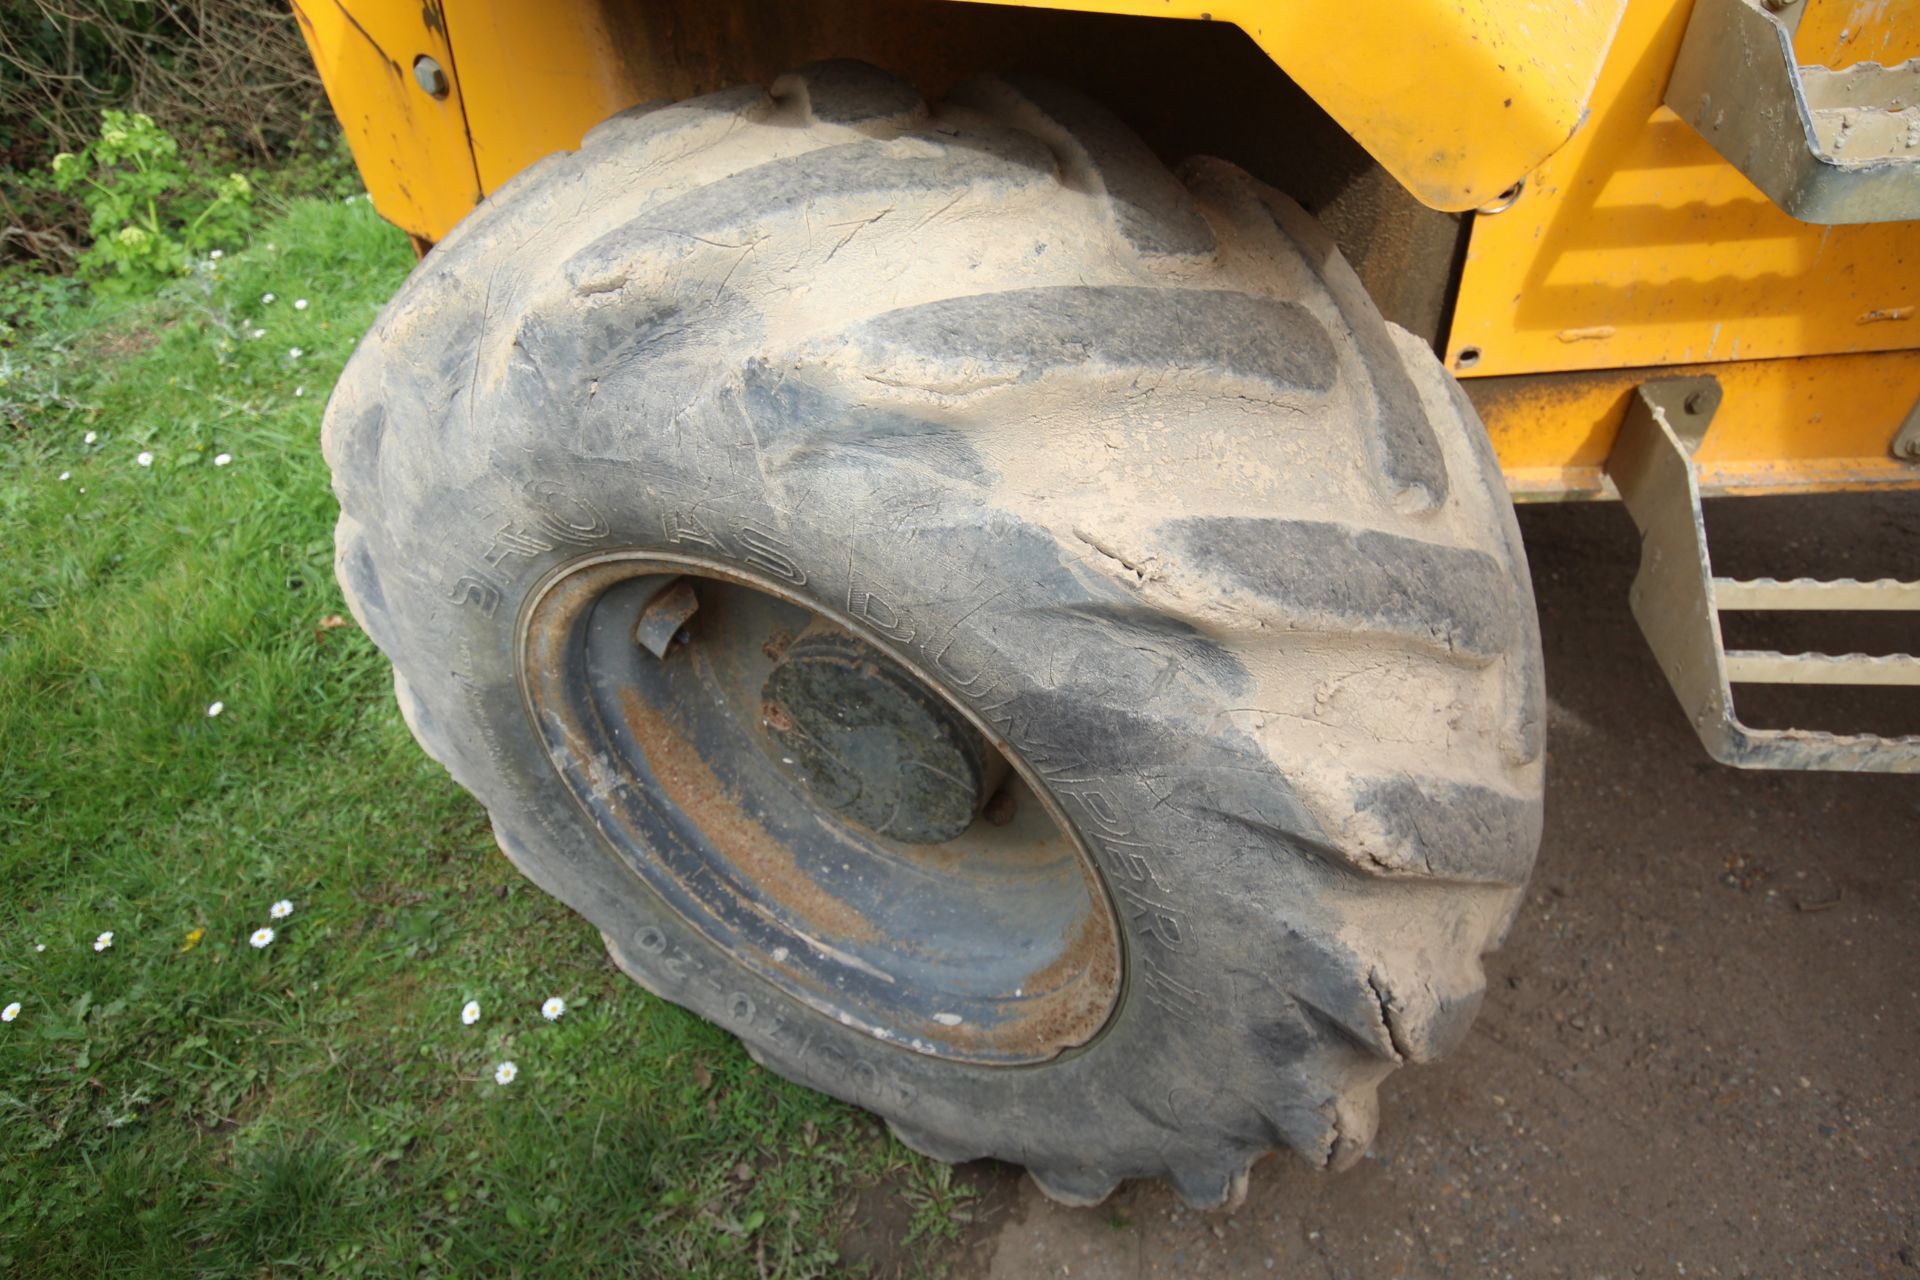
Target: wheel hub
(872,744)
(812,804)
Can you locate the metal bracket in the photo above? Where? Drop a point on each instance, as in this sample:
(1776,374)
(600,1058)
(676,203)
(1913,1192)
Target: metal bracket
(1826,146)
(1677,601)
(1906,441)
(664,614)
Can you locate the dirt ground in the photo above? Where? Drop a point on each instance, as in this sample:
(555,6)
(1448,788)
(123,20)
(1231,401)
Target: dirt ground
(1698,1051)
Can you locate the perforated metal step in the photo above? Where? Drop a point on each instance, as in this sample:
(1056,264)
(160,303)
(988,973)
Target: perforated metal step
(1825,145)
(1678,602)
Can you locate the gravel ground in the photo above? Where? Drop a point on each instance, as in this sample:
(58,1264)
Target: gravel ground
(1697,1055)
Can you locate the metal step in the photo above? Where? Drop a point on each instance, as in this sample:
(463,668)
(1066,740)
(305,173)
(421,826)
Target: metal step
(1678,601)
(1826,145)
(1841,594)
(1764,666)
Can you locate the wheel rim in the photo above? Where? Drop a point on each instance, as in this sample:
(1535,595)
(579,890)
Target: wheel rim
(814,806)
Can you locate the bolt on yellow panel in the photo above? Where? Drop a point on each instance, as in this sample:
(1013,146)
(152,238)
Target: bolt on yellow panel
(1637,244)
(410,146)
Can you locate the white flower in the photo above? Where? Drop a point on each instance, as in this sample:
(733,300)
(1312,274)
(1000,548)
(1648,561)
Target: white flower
(214,709)
(65,474)
(104,941)
(294,353)
(299,304)
(144,458)
(216,255)
(470,1012)
(11,1012)
(553,1008)
(266,299)
(222,459)
(299,391)
(281,909)
(261,937)
(505,1072)
(258,333)
(39,946)
(90,437)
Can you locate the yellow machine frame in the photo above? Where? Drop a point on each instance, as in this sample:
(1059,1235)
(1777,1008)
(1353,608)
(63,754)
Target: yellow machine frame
(1613,243)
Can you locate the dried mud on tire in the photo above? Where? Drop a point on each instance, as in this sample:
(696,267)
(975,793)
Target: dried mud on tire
(1124,457)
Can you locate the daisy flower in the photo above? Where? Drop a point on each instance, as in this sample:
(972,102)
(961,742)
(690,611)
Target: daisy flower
(505,1073)
(39,946)
(266,299)
(144,458)
(90,437)
(66,475)
(215,709)
(299,304)
(222,459)
(104,941)
(216,255)
(470,1012)
(281,909)
(258,333)
(553,1008)
(261,938)
(294,353)
(299,391)
(11,1012)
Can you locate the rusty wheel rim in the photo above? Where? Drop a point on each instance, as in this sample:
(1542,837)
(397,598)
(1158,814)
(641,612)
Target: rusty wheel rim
(710,724)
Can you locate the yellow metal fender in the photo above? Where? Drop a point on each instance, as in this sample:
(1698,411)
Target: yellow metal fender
(1457,99)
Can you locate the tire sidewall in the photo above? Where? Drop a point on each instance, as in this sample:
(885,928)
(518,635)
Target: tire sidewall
(978,602)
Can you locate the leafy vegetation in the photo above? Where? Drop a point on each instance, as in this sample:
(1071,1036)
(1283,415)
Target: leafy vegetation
(149,215)
(181,1102)
(231,79)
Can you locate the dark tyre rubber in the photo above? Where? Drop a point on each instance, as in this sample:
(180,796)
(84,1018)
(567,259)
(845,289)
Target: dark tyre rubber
(1126,460)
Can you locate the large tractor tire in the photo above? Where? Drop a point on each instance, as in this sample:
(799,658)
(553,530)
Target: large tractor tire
(1004,629)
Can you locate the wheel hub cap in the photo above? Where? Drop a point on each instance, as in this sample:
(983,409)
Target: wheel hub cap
(872,744)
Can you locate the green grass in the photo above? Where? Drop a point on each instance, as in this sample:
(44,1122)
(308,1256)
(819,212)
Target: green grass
(183,1103)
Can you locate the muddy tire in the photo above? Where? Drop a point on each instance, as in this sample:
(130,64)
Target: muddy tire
(1123,464)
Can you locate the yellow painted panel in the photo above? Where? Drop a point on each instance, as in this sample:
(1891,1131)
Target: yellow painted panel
(411,149)
(1637,245)
(536,78)
(1823,422)
(1456,98)
(1839,33)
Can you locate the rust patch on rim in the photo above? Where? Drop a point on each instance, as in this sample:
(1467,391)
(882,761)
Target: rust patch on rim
(998,947)
(686,780)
